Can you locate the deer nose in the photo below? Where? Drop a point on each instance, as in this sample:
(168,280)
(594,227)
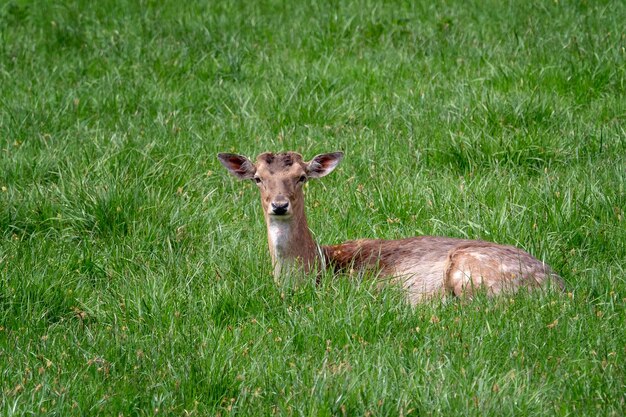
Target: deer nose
(280,208)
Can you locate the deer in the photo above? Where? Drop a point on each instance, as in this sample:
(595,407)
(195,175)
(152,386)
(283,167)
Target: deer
(425,267)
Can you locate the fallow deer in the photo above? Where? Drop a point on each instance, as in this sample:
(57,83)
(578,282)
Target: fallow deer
(424,266)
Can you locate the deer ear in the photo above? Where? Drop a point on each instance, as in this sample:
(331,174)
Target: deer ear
(323,164)
(238,165)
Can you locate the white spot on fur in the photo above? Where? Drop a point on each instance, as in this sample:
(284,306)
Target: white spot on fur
(279,236)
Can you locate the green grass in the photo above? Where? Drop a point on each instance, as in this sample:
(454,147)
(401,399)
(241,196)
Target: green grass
(134,273)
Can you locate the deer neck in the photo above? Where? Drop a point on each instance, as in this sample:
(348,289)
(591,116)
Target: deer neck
(291,243)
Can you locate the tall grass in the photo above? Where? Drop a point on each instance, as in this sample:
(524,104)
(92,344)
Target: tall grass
(134,274)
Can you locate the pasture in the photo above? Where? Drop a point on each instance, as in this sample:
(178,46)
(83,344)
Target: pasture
(134,272)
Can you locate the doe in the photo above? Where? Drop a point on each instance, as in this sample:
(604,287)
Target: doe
(425,266)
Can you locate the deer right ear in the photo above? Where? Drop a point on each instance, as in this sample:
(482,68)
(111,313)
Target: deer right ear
(238,165)
(323,164)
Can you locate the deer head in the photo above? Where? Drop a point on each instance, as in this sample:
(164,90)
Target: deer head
(280,178)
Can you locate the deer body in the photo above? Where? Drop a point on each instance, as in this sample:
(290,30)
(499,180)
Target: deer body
(428,266)
(424,266)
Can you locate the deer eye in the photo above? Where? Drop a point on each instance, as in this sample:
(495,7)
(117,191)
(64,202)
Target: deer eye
(257,180)
(302,178)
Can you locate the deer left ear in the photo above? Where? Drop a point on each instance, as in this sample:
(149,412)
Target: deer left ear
(323,164)
(238,165)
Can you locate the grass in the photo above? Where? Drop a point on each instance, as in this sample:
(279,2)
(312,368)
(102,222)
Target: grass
(134,274)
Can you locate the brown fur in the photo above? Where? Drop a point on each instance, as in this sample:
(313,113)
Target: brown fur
(280,173)
(428,266)
(424,266)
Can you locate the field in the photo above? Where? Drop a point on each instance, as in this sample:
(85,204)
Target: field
(134,272)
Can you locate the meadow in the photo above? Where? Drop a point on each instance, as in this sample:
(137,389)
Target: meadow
(135,277)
